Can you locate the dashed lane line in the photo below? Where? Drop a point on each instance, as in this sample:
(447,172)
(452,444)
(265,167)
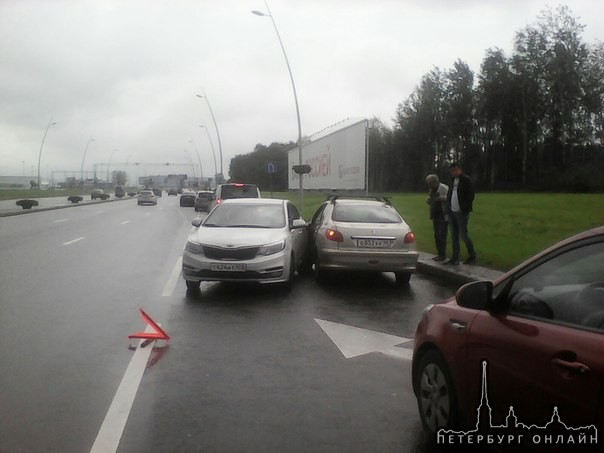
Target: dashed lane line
(73,241)
(173,279)
(60,220)
(125,222)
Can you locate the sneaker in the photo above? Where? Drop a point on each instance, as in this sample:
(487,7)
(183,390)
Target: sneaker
(439,258)
(452,262)
(470,260)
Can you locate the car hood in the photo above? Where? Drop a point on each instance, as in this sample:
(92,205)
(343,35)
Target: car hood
(236,237)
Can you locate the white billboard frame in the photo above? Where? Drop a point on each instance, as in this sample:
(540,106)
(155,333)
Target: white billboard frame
(338,160)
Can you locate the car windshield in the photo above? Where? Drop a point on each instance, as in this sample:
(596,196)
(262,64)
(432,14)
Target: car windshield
(365,213)
(146,193)
(246,216)
(243,191)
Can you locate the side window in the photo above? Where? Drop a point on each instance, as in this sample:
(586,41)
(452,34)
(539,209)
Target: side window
(317,217)
(568,288)
(292,212)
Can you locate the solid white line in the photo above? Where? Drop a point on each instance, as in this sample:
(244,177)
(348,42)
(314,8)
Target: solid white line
(110,433)
(173,280)
(72,241)
(125,222)
(60,220)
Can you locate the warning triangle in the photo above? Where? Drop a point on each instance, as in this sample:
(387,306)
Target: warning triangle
(159,334)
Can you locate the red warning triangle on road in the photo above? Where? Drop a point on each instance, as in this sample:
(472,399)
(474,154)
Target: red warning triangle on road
(159,334)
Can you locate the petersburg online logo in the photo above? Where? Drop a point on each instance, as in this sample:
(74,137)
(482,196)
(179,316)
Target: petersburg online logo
(513,432)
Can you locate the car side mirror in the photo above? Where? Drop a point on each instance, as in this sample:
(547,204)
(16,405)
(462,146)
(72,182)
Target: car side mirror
(475,295)
(196,223)
(298,223)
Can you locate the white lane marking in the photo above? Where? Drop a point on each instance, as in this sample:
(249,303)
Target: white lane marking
(60,220)
(354,341)
(73,241)
(125,222)
(147,213)
(173,280)
(110,433)
(99,212)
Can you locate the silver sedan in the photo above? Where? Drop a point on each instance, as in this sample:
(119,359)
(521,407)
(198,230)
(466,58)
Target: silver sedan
(365,234)
(257,239)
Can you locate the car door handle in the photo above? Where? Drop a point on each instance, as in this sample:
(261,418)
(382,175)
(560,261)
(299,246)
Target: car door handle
(458,325)
(577,367)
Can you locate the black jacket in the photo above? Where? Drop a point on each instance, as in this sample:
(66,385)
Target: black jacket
(465,193)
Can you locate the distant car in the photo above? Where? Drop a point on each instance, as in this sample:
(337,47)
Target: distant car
(539,329)
(157,192)
(147,197)
(234,190)
(96,193)
(187,199)
(362,234)
(172,192)
(253,240)
(204,200)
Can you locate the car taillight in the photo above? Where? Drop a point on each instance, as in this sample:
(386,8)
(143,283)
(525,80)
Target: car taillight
(218,200)
(409,237)
(334,235)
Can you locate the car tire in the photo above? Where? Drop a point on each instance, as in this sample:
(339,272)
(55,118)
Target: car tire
(436,397)
(318,272)
(402,278)
(289,284)
(193,285)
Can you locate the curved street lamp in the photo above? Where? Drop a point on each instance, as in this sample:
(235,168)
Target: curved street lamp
(212,146)
(261,14)
(216,127)
(84,157)
(192,165)
(50,123)
(198,159)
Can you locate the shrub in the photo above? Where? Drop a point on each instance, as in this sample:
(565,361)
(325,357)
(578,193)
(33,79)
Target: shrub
(75,198)
(26,204)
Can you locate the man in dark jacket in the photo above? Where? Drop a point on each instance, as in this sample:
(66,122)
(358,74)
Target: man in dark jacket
(459,200)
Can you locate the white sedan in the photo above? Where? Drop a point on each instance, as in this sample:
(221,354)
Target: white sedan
(246,239)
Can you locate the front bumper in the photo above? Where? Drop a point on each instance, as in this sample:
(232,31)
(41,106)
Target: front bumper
(262,269)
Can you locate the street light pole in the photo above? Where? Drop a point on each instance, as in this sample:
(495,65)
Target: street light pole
(291,76)
(192,166)
(50,123)
(213,152)
(216,127)
(84,157)
(198,159)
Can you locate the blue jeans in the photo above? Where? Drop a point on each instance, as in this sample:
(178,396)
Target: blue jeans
(459,229)
(440,226)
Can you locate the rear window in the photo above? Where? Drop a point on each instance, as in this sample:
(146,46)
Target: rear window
(243,191)
(205,196)
(146,192)
(365,213)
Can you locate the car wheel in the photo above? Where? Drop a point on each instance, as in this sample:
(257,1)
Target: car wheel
(289,284)
(436,398)
(318,272)
(193,285)
(402,278)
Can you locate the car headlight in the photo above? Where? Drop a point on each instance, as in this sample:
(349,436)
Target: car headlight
(272,248)
(194,248)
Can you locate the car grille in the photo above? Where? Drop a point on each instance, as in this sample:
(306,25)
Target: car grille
(216,253)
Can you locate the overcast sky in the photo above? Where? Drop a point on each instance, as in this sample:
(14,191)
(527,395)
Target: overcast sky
(126,72)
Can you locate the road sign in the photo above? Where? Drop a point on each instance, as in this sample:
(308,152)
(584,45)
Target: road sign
(271,168)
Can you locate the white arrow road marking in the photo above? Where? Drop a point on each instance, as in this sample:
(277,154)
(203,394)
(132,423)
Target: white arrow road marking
(72,241)
(173,280)
(60,220)
(354,341)
(110,433)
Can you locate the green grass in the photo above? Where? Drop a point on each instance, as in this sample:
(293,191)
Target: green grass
(35,193)
(506,228)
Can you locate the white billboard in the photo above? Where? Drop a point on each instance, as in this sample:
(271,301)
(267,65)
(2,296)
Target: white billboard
(337,160)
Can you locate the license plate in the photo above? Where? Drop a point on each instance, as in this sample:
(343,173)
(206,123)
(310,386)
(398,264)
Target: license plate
(374,243)
(228,267)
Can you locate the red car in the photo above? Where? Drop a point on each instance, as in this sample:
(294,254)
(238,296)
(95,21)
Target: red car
(526,352)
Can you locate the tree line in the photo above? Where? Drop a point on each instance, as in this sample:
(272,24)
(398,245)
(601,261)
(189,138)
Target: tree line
(533,120)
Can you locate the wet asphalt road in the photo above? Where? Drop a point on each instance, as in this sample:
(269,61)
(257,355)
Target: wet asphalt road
(247,368)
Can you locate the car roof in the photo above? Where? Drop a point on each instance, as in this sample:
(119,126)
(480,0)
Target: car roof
(256,201)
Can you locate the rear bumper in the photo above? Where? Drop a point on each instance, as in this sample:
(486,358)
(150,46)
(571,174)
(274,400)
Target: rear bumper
(380,261)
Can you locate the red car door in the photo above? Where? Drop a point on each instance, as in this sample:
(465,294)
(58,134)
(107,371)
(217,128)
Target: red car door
(544,345)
